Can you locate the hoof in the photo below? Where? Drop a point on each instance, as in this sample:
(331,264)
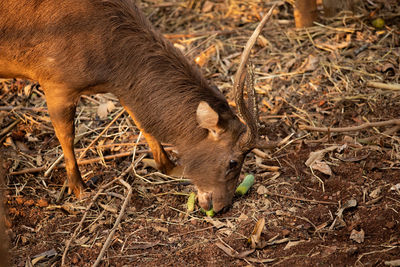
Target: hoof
(77,189)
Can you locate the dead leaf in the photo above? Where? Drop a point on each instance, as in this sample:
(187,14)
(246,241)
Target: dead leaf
(319,155)
(339,214)
(375,193)
(262,41)
(255,237)
(9,142)
(393,263)
(260,260)
(145,245)
(321,226)
(180,47)
(22,147)
(354,159)
(322,167)
(386,67)
(28,89)
(261,190)
(42,203)
(203,58)
(395,187)
(227,250)
(328,251)
(334,46)
(315,162)
(46,254)
(357,236)
(233,253)
(225,232)
(218,224)
(39,160)
(31,138)
(110,106)
(160,229)
(207,6)
(102,111)
(109,208)
(291,244)
(82,241)
(243,217)
(310,64)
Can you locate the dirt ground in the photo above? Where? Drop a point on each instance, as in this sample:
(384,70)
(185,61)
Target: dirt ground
(342,209)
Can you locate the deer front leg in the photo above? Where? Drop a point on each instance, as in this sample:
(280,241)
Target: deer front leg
(163,163)
(61,106)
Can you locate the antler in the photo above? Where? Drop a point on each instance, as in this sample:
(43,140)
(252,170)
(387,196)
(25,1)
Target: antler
(248,113)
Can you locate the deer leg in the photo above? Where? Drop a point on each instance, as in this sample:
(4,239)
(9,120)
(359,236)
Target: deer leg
(163,163)
(61,108)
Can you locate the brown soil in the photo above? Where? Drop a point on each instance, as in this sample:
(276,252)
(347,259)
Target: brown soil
(314,77)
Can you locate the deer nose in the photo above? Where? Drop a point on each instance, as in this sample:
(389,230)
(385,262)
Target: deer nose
(205,200)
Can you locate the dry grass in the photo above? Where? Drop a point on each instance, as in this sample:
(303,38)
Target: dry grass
(335,74)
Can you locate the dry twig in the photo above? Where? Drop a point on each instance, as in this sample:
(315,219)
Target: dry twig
(351,128)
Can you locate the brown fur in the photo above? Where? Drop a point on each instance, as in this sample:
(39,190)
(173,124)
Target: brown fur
(75,47)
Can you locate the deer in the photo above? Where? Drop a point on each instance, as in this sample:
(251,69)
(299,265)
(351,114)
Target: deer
(84,47)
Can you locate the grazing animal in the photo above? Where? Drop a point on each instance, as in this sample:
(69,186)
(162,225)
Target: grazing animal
(77,47)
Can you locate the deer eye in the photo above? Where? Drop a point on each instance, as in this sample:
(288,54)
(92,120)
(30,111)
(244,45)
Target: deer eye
(233,164)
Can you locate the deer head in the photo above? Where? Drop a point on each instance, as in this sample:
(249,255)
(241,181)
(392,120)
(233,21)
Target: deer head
(215,163)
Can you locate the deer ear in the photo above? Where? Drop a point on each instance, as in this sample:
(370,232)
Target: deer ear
(208,119)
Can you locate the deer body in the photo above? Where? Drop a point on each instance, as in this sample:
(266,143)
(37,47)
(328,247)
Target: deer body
(76,47)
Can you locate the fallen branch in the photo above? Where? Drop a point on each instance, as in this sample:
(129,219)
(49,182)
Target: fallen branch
(351,128)
(117,221)
(68,243)
(387,86)
(301,199)
(14,108)
(196,34)
(102,188)
(10,127)
(102,132)
(81,162)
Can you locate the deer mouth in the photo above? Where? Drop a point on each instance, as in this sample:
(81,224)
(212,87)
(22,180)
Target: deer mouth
(205,199)
(207,202)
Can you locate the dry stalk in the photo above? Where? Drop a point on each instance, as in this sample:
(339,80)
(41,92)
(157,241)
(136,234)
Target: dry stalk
(102,132)
(387,86)
(117,221)
(302,199)
(99,192)
(351,128)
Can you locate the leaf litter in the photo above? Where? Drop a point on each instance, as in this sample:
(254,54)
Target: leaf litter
(338,75)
